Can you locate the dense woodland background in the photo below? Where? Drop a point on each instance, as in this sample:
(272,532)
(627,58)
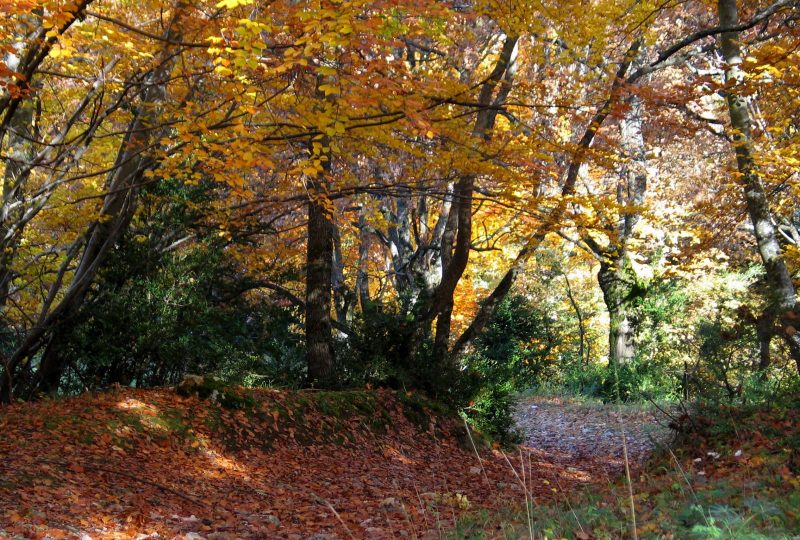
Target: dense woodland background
(465,198)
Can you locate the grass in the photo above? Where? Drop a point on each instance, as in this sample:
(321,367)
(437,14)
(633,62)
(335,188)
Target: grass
(732,474)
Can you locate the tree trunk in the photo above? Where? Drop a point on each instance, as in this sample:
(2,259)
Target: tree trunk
(781,294)
(441,342)
(319,259)
(343,297)
(765,331)
(119,204)
(19,155)
(551,222)
(362,277)
(441,301)
(18,152)
(619,293)
(583,351)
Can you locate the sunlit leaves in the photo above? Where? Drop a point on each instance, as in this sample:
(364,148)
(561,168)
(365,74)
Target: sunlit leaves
(231,4)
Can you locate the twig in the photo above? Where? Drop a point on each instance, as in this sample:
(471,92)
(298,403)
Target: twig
(631,500)
(335,513)
(665,413)
(480,461)
(525,491)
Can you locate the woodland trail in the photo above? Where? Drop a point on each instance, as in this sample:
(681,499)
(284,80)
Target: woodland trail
(139,464)
(588,437)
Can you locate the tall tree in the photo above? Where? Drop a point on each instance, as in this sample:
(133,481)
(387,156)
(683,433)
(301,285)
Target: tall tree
(617,277)
(781,295)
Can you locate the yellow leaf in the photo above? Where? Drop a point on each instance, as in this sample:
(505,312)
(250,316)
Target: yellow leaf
(231,4)
(328,89)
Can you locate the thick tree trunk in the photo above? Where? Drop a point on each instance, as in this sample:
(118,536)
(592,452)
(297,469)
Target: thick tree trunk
(52,365)
(619,293)
(616,276)
(319,262)
(765,331)
(781,294)
(441,342)
(320,254)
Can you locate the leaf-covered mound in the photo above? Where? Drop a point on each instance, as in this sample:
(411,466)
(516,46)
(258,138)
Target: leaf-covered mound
(242,463)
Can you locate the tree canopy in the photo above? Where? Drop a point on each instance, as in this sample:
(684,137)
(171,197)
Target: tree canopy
(307,176)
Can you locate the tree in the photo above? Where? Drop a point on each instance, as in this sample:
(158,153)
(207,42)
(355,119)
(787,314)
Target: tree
(781,296)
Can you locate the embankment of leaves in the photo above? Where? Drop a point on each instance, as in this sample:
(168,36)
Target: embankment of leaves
(240,463)
(730,473)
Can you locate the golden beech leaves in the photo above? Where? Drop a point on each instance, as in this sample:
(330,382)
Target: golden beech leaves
(379,99)
(230,4)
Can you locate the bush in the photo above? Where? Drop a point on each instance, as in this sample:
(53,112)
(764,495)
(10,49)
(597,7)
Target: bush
(637,380)
(377,353)
(518,347)
(492,414)
(156,314)
(156,325)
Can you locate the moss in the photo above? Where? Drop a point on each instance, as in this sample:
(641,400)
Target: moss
(346,403)
(52,422)
(379,424)
(415,409)
(309,417)
(229,397)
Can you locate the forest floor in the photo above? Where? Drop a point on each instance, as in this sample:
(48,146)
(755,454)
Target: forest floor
(151,464)
(255,464)
(726,473)
(591,435)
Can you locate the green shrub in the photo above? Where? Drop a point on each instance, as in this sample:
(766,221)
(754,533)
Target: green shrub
(156,314)
(376,353)
(492,414)
(518,347)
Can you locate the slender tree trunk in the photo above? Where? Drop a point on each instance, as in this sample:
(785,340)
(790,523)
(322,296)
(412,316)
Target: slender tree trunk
(551,222)
(781,294)
(343,297)
(582,351)
(362,277)
(19,154)
(119,205)
(441,302)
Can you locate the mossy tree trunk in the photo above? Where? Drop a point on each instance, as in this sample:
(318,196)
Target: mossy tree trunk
(781,297)
(617,277)
(621,290)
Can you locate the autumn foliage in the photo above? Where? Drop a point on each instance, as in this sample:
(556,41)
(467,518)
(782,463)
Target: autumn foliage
(460,198)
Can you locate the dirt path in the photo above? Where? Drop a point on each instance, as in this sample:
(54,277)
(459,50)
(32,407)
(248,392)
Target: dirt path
(588,437)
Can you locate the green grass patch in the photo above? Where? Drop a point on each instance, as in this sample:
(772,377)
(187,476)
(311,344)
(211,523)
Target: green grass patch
(733,474)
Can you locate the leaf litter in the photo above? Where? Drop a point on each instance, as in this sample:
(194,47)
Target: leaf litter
(147,464)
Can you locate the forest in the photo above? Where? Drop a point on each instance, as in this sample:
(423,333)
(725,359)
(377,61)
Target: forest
(399,234)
